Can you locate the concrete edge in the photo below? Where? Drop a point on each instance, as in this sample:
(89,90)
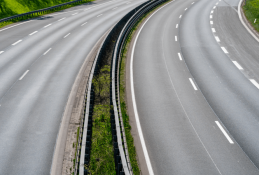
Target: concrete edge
(245,22)
(59,150)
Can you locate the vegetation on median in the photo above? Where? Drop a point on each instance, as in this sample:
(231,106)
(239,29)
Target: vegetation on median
(251,10)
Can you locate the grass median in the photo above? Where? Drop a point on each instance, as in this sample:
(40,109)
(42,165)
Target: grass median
(251,10)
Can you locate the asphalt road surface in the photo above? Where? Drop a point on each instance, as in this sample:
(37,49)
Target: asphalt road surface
(198,111)
(39,61)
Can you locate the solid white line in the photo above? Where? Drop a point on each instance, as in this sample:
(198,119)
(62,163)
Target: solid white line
(211,11)
(180,57)
(1,52)
(194,87)
(23,75)
(47,51)
(176,25)
(47,25)
(224,50)
(61,19)
(150,170)
(175,38)
(99,15)
(224,132)
(211,22)
(33,33)
(185,9)
(217,39)
(74,14)
(67,35)
(16,42)
(237,65)
(180,16)
(255,83)
(84,24)
(213,30)
(210,16)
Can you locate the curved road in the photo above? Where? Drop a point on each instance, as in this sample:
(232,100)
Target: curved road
(197,110)
(39,61)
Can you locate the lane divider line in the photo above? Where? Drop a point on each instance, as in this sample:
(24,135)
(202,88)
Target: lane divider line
(211,22)
(194,86)
(180,16)
(255,83)
(211,16)
(114,8)
(83,24)
(224,132)
(1,52)
(16,42)
(47,51)
(99,15)
(176,25)
(237,65)
(212,11)
(180,57)
(67,35)
(47,25)
(217,39)
(214,7)
(224,49)
(74,14)
(193,3)
(23,75)
(175,38)
(61,19)
(213,30)
(185,9)
(33,33)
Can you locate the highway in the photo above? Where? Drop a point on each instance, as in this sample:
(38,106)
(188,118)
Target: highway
(191,88)
(39,62)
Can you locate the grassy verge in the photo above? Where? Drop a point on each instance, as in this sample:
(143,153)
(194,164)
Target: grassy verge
(127,127)
(13,7)
(102,159)
(251,10)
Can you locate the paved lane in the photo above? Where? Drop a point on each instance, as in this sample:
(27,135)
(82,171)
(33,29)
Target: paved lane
(35,86)
(183,134)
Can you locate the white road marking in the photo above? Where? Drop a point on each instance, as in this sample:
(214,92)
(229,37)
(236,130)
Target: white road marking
(237,65)
(214,7)
(211,11)
(193,3)
(213,30)
(176,25)
(61,19)
(33,33)
(255,21)
(47,51)
(180,57)
(224,132)
(211,22)
(217,39)
(211,16)
(67,35)
(47,25)
(99,15)
(84,24)
(224,49)
(23,75)
(175,38)
(16,42)
(217,3)
(128,3)
(1,52)
(14,26)
(255,83)
(185,9)
(180,16)
(194,86)
(74,14)
(114,8)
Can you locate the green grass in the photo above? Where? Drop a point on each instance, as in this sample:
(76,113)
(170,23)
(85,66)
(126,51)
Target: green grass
(14,7)
(251,10)
(101,158)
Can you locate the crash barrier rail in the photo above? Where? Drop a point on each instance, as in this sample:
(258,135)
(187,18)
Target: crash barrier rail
(39,12)
(118,34)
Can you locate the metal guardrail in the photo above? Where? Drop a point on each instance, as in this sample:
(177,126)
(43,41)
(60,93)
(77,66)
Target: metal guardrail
(41,11)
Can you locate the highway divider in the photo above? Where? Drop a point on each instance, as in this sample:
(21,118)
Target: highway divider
(109,51)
